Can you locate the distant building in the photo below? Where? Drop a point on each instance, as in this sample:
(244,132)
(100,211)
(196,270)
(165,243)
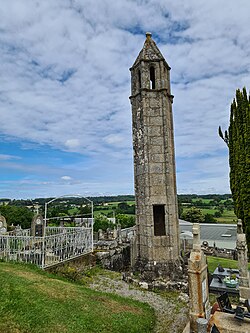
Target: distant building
(220,235)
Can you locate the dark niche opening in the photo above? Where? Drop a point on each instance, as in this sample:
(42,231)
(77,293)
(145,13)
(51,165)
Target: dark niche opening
(159,220)
(152,77)
(139,78)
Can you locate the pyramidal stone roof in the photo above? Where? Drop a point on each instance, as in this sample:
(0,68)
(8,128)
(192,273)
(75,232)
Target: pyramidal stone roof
(149,52)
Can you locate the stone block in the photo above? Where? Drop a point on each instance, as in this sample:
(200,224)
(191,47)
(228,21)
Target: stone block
(244,293)
(156,168)
(154,103)
(155,131)
(155,121)
(156,141)
(157,190)
(158,179)
(157,158)
(226,323)
(157,149)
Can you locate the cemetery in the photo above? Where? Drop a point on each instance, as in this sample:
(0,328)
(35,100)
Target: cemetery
(45,245)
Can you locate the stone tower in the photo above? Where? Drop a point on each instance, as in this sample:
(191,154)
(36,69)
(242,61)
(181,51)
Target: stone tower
(156,248)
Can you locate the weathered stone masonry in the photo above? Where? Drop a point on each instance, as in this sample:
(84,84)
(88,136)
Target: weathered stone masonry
(157,234)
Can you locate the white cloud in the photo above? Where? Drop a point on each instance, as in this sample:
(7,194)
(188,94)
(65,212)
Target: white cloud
(66,178)
(72,143)
(6,157)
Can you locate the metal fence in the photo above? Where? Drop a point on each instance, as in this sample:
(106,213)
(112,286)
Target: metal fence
(59,244)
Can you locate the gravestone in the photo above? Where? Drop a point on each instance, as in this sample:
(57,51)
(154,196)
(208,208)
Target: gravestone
(3,225)
(37,226)
(244,278)
(157,228)
(18,230)
(198,281)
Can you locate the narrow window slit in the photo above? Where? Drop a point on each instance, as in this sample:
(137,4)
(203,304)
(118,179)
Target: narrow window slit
(152,77)
(159,220)
(139,78)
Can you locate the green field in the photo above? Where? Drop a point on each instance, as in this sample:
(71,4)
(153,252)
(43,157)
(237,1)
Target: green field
(228,216)
(201,199)
(33,301)
(214,261)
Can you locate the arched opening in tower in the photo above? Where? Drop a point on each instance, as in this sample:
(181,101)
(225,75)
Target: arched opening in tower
(152,77)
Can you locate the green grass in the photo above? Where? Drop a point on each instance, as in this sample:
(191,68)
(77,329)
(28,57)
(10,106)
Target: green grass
(33,301)
(201,199)
(228,216)
(228,263)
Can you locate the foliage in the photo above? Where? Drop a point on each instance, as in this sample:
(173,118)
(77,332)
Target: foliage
(79,206)
(17,215)
(237,138)
(209,218)
(194,215)
(102,222)
(34,301)
(217,214)
(125,221)
(124,208)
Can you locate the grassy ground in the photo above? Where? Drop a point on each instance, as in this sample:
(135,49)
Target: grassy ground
(33,301)
(214,261)
(228,216)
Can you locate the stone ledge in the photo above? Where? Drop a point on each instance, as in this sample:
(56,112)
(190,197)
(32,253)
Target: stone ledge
(226,323)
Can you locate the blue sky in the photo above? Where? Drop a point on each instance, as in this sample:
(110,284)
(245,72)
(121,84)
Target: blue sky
(65,81)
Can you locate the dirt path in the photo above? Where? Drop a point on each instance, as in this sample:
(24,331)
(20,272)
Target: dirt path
(171,309)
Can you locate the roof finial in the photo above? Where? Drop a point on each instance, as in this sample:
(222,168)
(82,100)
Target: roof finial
(148,35)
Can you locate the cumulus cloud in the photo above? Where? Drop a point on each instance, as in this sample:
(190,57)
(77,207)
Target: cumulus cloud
(65,80)
(66,178)
(72,143)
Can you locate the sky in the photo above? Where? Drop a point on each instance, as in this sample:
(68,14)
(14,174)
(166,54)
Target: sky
(65,84)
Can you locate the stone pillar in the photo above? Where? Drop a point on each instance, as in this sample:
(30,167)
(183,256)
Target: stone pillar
(115,233)
(198,282)
(157,225)
(100,234)
(244,279)
(119,234)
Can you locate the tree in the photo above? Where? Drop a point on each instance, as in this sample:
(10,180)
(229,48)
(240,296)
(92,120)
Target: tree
(217,213)
(194,215)
(125,221)
(237,138)
(17,215)
(209,218)
(102,222)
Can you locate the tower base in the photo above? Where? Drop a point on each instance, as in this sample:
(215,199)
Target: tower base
(151,270)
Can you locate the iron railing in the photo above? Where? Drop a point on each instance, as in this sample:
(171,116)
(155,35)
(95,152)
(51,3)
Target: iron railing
(59,244)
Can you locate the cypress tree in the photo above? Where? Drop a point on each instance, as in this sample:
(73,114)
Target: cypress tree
(237,139)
